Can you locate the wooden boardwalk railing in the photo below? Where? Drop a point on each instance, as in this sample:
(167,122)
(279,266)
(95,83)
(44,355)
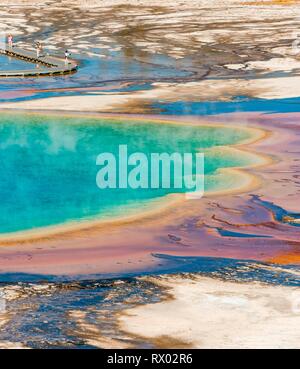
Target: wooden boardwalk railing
(50,65)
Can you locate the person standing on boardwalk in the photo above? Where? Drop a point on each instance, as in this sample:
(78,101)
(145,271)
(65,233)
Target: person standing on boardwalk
(38,48)
(10,41)
(67,55)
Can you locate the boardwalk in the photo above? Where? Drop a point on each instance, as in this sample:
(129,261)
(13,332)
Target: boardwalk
(50,65)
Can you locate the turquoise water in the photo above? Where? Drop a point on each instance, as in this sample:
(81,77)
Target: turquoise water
(48,165)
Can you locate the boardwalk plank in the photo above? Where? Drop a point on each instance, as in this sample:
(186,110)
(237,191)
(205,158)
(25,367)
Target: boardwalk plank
(51,65)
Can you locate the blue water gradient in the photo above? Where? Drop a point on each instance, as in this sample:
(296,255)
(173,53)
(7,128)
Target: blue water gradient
(48,165)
